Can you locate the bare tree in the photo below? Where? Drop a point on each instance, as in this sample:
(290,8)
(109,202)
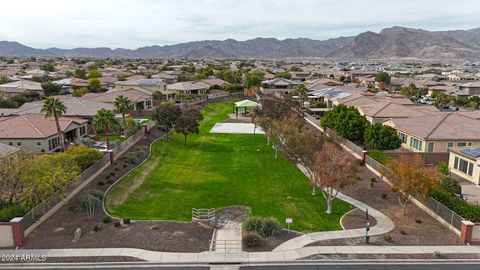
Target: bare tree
(333,170)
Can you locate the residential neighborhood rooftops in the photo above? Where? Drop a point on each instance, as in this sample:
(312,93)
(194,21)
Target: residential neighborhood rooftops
(109,97)
(141,82)
(24,84)
(442,126)
(184,86)
(33,126)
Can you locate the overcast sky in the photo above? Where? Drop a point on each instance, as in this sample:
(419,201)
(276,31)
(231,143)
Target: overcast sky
(136,23)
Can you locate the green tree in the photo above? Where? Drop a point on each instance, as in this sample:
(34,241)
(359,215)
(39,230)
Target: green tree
(346,122)
(51,89)
(380,137)
(166,115)
(122,106)
(104,122)
(382,77)
(253,79)
(285,75)
(83,155)
(4,79)
(189,122)
(94,74)
(50,67)
(80,73)
(302,93)
(94,85)
(54,107)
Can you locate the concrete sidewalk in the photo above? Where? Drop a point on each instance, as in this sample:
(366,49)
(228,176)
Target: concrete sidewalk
(240,257)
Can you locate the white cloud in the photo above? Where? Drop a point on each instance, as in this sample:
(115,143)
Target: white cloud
(134,23)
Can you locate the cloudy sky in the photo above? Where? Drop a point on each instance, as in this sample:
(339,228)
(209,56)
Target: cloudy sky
(136,23)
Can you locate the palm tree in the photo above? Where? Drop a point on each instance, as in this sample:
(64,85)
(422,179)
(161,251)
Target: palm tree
(53,107)
(104,122)
(122,106)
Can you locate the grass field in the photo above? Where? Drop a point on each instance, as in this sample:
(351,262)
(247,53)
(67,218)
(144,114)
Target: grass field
(216,171)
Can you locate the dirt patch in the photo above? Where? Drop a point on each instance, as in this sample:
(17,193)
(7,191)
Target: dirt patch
(415,228)
(235,214)
(356,219)
(272,242)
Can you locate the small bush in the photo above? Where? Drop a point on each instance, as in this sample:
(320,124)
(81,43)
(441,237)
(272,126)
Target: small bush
(117,169)
(271,227)
(384,196)
(372,184)
(403,232)
(418,220)
(107,177)
(112,174)
(252,240)
(387,238)
(253,224)
(101,183)
(380,156)
(437,255)
(110,182)
(126,221)
(96,228)
(124,165)
(116,224)
(10,211)
(107,219)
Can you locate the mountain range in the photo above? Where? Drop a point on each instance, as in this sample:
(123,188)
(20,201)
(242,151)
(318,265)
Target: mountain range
(394,42)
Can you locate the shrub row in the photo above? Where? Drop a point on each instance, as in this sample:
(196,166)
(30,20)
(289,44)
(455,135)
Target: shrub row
(256,228)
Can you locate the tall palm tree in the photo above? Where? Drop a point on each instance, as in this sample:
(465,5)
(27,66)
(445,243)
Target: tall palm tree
(122,106)
(104,122)
(54,107)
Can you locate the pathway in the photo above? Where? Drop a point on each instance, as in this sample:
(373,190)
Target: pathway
(384,225)
(239,257)
(228,237)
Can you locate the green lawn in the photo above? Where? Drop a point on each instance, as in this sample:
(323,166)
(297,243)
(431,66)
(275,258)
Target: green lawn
(220,170)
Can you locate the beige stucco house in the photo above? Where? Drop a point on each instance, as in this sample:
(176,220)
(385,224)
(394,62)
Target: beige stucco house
(35,133)
(465,163)
(436,133)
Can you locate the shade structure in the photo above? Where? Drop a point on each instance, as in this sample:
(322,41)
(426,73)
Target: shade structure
(246,104)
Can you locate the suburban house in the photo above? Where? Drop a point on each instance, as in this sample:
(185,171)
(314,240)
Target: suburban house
(437,132)
(140,101)
(465,163)
(12,91)
(278,85)
(185,88)
(471,88)
(23,84)
(35,133)
(300,76)
(146,86)
(76,107)
(207,83)
(378,112)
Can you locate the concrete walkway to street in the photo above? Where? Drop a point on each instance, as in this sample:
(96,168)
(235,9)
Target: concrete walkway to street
(384,225)
(238,257)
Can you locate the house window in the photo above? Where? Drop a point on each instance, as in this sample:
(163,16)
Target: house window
(10,143)
(416,143)
(430,147)
(19,143)
(461,144)
(403,137)
(469,144)
(82,130)
(463,166)
(43,150)
(49,145)
(450,144)
(39,143)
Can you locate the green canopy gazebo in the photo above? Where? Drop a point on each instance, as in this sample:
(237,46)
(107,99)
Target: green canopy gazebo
(244,105)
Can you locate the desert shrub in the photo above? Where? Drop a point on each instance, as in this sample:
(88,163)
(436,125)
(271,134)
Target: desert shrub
(384,196)
(124,165)
(253,224)
(117,169)
(112,174)
(387,238)
(117,224)
(110,181)
(403,232)
(271,227)
(10,211)
(418,220)
(126,221)
(107,177)
(252,240)
(96,228)
(106,219)
(101,183)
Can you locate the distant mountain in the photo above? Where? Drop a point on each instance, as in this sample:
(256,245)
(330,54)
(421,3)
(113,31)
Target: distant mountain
(400,42)
(254,48)
(394,42)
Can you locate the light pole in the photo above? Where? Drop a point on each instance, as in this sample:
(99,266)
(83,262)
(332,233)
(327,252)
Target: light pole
(367,237)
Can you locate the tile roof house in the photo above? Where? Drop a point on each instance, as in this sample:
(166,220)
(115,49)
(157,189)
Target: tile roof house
(207,83)
(76,107)
(140,101)
(186,88)
(436,132)
(146,86)
(278,85)
(378,112)
(464,162)
(23,84)
(38,134)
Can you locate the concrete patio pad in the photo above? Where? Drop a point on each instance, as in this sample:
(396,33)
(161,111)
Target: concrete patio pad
(236,128)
